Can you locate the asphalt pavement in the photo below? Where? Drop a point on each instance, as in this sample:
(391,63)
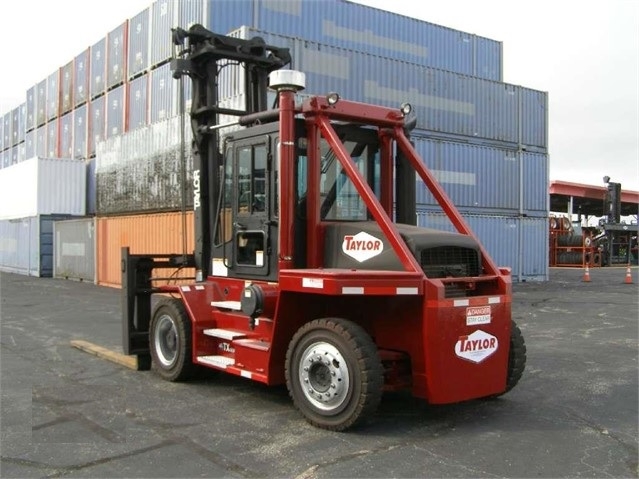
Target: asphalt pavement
(66,413)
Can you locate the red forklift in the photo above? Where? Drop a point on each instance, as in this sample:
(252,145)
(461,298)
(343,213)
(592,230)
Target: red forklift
(310,270)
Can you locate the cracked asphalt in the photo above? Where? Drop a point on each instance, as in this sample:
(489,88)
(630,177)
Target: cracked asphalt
(66,413)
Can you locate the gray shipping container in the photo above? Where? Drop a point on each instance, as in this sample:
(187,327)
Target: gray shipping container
(26,245)
(115,112)
(166,14)
(97,123)
(81,77)
(30,144)
(138,41)
(22,151)
(41,141)
(2,133)
(31,111)
(66,136)
(41,103)
(53,139)
(97,68)
(80,132)
(116,56)
(66,88)
(74,243)
(137,113)
(7,133)
(53,95)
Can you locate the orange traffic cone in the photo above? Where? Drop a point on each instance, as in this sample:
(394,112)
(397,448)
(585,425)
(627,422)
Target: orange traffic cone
(586,278)
(628,279)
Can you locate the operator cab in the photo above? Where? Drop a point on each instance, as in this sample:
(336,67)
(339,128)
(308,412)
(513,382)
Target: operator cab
(246,228)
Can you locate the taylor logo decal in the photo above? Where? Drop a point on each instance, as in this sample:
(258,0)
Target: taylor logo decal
(362,246)
(477,346)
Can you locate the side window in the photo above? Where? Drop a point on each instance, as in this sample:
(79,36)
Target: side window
(251,179)
(224,221)
(250,248)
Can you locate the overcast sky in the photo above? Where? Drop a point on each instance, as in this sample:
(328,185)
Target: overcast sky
(584,53)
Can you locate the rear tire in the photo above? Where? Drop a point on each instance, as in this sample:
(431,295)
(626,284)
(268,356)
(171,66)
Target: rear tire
(516,357)
(333,373)
(170,340)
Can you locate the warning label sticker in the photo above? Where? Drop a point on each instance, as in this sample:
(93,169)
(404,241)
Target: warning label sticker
(477,315)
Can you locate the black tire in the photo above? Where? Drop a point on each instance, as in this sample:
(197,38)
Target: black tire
(516,357)
(170,340)
(343,388)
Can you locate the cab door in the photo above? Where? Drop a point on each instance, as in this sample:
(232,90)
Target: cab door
(254,226)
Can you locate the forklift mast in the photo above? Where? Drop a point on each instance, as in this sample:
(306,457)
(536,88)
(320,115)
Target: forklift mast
(202,56)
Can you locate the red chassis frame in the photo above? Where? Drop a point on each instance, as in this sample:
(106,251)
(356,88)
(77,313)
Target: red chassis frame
(416,328)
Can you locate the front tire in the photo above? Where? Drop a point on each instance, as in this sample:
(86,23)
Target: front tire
(333,373)
(516,357)
(170,340)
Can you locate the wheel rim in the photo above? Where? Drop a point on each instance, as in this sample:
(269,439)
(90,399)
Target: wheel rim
(324,377)
(166,340)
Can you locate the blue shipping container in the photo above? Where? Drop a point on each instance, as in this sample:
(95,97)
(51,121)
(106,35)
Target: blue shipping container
(359,27)
(519,243)
(27,245)
(138,43)
(116,56)
(485,178)
(138,102)
(446,103)
(115,112)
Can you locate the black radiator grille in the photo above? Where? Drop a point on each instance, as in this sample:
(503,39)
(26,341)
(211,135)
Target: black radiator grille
(450,261)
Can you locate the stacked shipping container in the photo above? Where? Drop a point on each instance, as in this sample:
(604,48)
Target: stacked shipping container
(115,106)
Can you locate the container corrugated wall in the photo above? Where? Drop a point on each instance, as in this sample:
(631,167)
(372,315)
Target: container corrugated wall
(485,178)
(116,55)
(161,233)
(26,245)
(74,244)
(137,111)
(91,186)
(53,95)
(66,87)
(2,133)
(22,151)
(82,79)
(97,123)
(80,132)
(520,243)
(97,83)
(138,43)
(142,171)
